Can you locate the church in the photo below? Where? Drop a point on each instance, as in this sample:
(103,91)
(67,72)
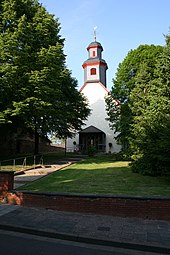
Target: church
(96,131)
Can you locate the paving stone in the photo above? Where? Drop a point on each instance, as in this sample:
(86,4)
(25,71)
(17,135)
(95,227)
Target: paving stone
(103,228)
(5,209)
(154,233)
(140,236)
(153,237)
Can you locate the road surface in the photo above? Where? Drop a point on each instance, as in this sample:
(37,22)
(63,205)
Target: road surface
(23,244)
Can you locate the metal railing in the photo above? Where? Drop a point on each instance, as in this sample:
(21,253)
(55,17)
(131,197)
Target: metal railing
(22,163)
(83,148)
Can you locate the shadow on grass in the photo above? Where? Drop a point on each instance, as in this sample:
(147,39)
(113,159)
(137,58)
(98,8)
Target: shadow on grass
(77,175)
(115,179)
(99,159)
(101,174)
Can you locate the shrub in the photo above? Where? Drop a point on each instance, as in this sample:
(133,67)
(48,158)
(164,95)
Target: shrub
(91,150)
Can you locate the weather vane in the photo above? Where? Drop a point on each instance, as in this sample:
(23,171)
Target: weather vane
(95,33)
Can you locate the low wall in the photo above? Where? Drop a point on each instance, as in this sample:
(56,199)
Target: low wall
(6,182)
(122,206)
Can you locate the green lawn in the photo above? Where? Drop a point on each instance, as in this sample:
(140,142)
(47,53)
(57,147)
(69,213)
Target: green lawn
(101,175)
(22,162)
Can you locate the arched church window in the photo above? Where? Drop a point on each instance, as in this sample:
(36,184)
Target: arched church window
(93,71)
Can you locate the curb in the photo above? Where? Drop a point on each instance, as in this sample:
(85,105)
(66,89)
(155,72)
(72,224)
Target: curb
(70,237)
(25,170)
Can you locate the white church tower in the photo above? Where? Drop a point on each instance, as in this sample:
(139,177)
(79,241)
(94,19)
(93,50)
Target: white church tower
(95,67)
(96,130)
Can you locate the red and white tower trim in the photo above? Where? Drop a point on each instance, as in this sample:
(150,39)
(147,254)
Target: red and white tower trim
(95,67)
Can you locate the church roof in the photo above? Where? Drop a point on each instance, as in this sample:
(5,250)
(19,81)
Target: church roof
(95,44)
(85,84)
(91,60)
(91,129)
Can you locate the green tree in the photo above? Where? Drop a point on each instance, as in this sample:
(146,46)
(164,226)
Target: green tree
(151,115)
(120,114)
(36,89)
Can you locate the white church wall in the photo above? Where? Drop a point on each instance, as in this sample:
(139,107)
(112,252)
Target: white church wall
(95,92)
(97,52)
(70,147)
(92,77)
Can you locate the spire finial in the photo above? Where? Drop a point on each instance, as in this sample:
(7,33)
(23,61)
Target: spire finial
(95,33)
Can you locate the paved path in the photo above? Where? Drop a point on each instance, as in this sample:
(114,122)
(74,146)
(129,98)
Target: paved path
(5,208)
(133,233)
(37,173)
(38,245)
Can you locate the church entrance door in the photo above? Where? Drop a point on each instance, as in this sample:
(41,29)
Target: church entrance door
(92,136)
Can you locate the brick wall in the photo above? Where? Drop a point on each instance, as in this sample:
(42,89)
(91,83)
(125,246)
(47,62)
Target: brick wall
(122,206)
(6,182)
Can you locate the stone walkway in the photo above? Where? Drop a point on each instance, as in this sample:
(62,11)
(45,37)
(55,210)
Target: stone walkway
(37,173)
(34,174)
(132,233)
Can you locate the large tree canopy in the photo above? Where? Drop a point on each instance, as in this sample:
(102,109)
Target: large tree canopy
(120,115)
(36,89)
(142,117)
(150,105)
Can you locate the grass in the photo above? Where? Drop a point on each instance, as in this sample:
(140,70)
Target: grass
(7,163)
(101,175)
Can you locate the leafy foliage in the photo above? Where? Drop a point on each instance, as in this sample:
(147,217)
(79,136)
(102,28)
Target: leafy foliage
(91,150)
(120,114)
(151,126)
(36,89)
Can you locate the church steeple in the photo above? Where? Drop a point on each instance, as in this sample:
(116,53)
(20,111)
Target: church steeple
(95,33)
(95,67)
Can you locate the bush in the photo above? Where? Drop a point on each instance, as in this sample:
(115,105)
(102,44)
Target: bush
(120,156)
(91,150)
(150,165)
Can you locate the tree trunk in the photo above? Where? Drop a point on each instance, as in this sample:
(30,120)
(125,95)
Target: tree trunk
(36,142)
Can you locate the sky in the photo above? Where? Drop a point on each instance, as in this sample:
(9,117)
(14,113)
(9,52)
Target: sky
(122,25)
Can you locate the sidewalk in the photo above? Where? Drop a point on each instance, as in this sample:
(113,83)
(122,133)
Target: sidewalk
(133,233)
(30,175)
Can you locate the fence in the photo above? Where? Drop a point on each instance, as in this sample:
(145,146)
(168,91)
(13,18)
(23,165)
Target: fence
(82,148)
(21,163)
